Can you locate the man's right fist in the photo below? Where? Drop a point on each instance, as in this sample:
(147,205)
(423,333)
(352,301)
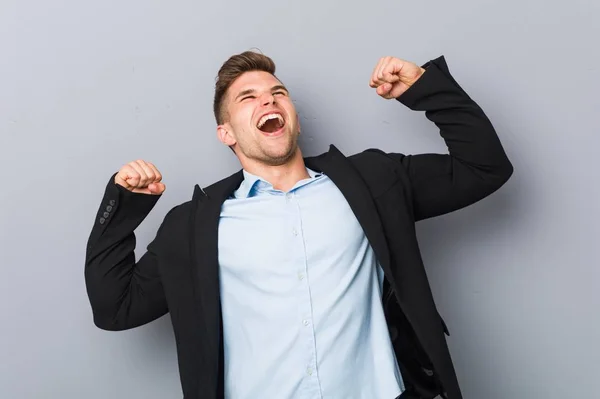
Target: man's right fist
(140,177)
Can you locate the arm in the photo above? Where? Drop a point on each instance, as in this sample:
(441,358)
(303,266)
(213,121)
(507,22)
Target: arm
(123,293)
(476,164)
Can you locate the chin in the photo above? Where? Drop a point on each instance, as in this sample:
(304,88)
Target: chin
(281,157)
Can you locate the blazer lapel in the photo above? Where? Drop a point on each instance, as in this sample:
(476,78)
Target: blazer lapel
(341,171)
(205,262)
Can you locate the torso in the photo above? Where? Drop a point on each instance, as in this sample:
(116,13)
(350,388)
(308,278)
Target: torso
(301,298)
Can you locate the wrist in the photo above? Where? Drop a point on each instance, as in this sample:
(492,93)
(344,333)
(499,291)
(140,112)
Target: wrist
(419,74)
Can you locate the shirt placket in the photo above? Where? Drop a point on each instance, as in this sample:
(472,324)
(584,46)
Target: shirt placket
(309,369)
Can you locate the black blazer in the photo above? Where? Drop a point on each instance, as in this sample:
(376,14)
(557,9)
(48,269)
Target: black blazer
(388,192)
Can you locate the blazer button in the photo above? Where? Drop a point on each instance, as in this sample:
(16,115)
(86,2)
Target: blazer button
(102,220)
(109,208)
(106,214)
(112,202)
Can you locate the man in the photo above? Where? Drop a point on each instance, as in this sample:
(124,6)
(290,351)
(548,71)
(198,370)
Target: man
(298,277)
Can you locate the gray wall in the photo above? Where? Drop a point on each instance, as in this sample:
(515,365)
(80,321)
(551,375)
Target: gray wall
(88,86)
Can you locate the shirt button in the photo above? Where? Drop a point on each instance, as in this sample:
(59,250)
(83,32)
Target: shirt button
(295,232)
(309,371)
(305,322)
(300,276)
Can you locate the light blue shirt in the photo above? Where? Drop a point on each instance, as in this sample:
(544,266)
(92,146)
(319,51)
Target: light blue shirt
(301,297)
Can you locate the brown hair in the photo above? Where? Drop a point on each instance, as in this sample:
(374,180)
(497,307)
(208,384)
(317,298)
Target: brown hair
(232,69)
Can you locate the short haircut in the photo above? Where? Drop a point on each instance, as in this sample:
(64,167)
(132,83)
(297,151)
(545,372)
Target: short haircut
(232,69)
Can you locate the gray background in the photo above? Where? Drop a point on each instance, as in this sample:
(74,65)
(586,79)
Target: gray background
(86,86)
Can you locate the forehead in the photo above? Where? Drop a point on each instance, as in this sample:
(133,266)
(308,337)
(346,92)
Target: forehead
(256,80)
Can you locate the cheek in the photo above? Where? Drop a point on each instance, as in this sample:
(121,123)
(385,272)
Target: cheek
(296,121)
(245,113)
(291,111)
(241,120)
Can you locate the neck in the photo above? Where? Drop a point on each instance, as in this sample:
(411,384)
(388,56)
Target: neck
(282,177)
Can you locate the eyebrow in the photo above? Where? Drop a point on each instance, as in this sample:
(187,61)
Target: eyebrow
(250,91)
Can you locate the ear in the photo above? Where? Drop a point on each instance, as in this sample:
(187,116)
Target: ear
(225,136)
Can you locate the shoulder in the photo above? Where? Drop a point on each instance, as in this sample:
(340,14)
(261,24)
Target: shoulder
(376,161)
(380,170)
(174,218)
(171,233)
(179,211)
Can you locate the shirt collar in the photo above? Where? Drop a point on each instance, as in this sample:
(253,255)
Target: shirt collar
(252,184)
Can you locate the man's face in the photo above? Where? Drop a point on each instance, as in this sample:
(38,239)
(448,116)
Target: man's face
(261,123)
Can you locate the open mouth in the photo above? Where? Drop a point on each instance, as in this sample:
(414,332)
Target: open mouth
(271,123)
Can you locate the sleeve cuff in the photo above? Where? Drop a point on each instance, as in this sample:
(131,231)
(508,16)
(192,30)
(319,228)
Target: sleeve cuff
(118,197)
(435,79)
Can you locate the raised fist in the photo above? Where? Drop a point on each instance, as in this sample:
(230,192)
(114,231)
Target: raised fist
(393,76)
(140,177)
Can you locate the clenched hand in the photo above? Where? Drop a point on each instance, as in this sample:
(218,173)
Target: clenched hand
(393,76)
(140,177)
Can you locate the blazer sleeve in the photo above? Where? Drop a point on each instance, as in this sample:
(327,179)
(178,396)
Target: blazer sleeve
(123,293)
(476,164)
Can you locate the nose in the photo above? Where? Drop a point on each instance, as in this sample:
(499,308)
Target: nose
(267,99)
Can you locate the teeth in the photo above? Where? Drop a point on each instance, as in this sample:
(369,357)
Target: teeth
(267,117)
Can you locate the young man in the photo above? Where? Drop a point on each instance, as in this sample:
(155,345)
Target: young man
(298,277)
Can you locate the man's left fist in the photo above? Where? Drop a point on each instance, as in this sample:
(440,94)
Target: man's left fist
(393,76)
